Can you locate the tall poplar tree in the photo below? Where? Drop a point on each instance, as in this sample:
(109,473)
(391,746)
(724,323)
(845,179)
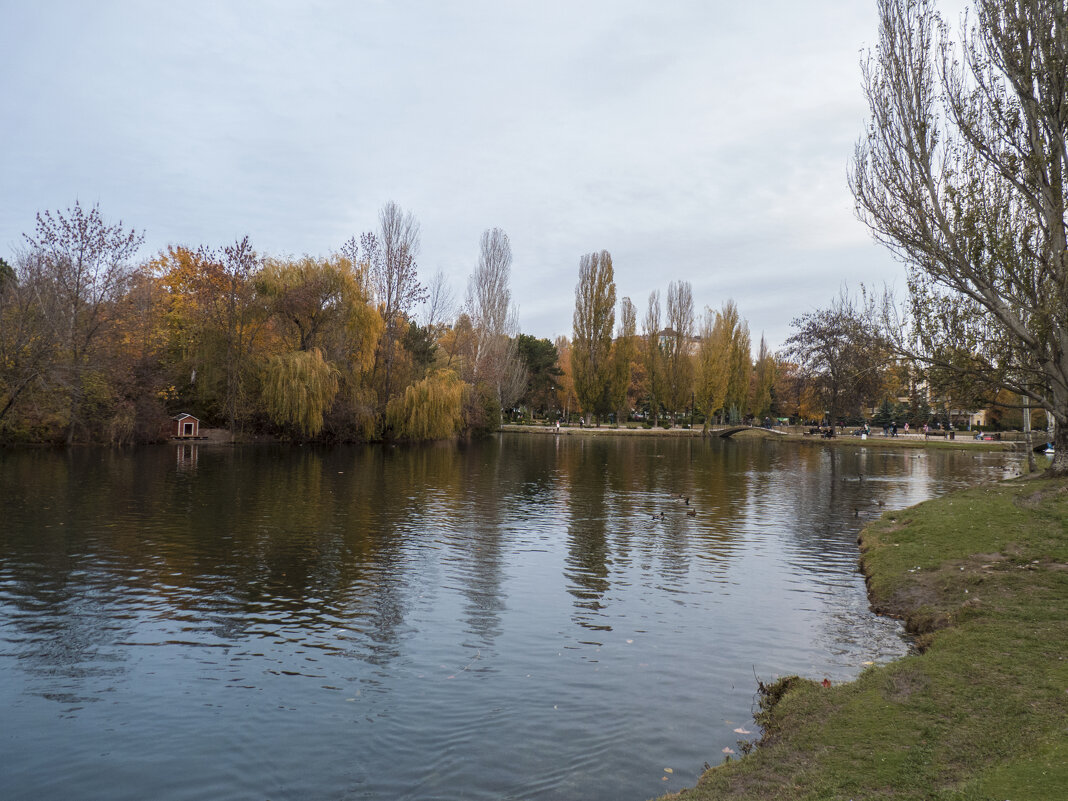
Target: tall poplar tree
(678,363)
(713,365)
(624,352)
(763,380)
(654,358)
(591,343)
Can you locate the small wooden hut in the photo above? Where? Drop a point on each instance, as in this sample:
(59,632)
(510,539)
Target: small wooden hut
(185,427)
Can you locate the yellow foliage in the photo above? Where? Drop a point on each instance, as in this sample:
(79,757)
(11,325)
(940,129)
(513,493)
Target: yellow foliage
(298,388)
(321,302)
(429,409)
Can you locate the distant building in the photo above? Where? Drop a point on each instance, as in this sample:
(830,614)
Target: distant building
(185,427)
(667,337)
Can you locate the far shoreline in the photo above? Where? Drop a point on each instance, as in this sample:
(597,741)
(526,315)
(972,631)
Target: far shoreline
(900,441)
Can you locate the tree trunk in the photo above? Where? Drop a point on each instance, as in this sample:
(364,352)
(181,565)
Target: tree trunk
(1027,435)
(1059,467)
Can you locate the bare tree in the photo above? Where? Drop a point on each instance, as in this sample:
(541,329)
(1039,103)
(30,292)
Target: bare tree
(962,174)
(489,299)
(82,264)
(389,257)
(495,356)
(838,354)
(440,306)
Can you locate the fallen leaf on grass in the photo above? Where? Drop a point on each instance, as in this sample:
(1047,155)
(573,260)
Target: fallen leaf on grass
(826,682)
(669,770)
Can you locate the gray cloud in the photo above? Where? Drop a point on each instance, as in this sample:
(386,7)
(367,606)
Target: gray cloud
(700,141)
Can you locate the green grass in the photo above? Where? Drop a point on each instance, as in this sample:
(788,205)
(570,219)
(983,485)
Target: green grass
(980,713)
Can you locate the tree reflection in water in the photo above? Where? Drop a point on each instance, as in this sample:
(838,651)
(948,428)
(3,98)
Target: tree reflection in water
(285,621)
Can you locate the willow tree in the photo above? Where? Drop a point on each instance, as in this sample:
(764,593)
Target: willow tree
(321,303)
(298,387)
(591,343)
(429,409)
(962,174)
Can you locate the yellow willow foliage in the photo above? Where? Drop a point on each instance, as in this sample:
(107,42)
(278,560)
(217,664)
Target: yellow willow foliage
(321,302)
(430,409)
(298,388)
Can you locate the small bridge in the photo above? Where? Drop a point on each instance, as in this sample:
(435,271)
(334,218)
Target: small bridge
(727,433)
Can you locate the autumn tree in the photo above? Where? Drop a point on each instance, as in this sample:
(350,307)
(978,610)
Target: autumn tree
(653,355)
(713,364)
(298,388)
(740,367)
(841,357)
(80,264)
(28,340)
(430,409)
(591,343)
(678,365)
(962,174)
(787,387)
(763,381)
(214,322)
(319,303)
(566,398)
(624,354)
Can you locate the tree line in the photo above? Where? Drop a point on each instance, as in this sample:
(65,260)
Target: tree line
(837,365)
(96,346)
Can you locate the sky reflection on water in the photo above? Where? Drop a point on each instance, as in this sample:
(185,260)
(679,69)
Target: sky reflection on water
(525,618)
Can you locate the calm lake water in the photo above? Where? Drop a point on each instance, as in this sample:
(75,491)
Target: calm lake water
(503,620)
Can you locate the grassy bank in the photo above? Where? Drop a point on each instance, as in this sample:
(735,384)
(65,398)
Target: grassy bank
(981,712)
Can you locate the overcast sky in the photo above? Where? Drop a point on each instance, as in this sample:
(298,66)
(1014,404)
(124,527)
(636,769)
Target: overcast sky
(706,141)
